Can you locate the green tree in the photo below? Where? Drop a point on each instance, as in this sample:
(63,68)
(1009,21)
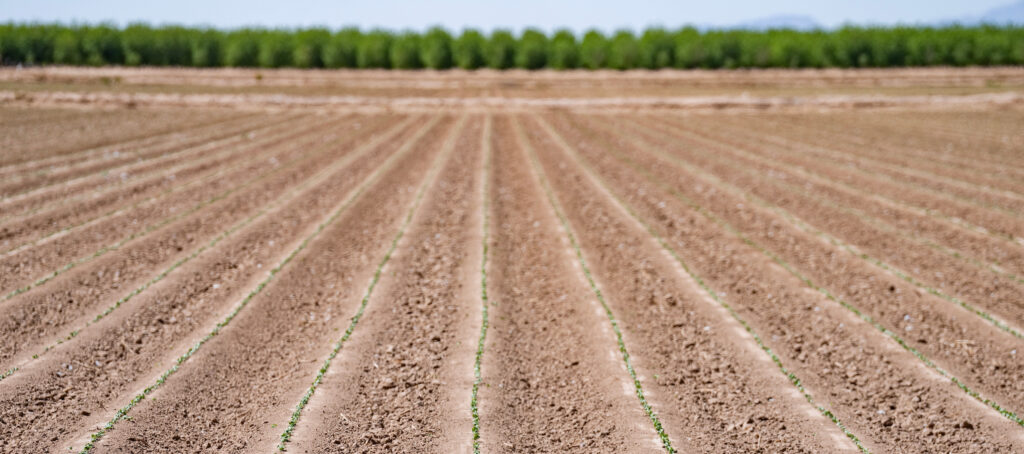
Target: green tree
(500,50)
(405,51)
(564,52)
(308,48)
(624,51)
(374,49)
(436,49)
(65,48)
(207,48)
(468,49)
(341,49)
(594,50)
(243,48)
(275,49)
(657,49)
(532,50)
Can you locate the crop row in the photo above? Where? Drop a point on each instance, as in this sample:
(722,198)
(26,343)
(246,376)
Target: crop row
(437,48)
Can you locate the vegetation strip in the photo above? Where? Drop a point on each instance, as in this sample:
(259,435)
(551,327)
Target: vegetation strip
(349,199)
(116,211)
(637,387)
(1012,416)
(797,383)
(474,407)
(150,229)
(802,225)
(277,203)
(448,146)
(34,44)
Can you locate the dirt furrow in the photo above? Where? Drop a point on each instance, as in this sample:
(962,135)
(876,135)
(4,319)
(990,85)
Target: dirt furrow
(954,233)
(128,159)
(29,267)
(704,372)
(46,311)
(115,151)
(971,203)
(136,343)
(137,174)
(227,395)
(989,192)
(952,143)
(983,358)
(913,144)
(98,129)
(30,354)
(952,275)
(881,392)
(402,381)
(880,143)
(552,378)
(60,217)
(486,144)
(128,149)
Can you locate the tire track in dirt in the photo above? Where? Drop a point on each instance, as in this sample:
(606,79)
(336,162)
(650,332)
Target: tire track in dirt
(933,323)
(66,214)
(401,382)
(342,163)
(699,357)
(935,272)
(895,405)
(34,267)
(275,345)
(548,339)
(46,312)
(31,180)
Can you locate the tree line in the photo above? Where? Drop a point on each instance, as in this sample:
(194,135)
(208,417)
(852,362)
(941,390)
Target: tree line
(437,48)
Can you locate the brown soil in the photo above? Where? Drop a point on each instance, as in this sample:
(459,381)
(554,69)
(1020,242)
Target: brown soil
(748,261)
(402,381)
(552,379)
(826,346)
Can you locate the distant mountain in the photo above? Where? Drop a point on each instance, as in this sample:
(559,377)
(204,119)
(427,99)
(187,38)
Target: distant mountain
(790,21)
(1012,14)
(1007,14)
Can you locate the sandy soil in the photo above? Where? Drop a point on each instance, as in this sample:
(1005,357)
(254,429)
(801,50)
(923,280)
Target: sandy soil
(315,261)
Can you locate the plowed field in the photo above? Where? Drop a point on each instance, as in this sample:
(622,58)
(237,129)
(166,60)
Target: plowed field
(212,261)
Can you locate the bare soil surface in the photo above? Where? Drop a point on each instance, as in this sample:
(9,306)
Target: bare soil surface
(338,261)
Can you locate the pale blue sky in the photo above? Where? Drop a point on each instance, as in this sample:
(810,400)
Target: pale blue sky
(487,14)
